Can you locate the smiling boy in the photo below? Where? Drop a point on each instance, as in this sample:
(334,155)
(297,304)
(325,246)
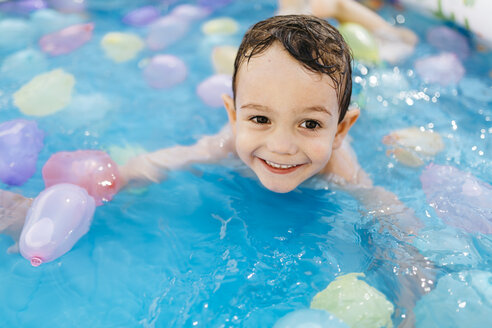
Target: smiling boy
(289,115)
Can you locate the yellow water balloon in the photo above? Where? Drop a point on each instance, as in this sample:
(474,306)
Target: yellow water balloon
(46,93)
(361,41)
(223,59)
(121,47)
(412,145)
(220,26)
(355,302)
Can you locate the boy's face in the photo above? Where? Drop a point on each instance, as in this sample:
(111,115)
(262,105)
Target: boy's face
(284,119)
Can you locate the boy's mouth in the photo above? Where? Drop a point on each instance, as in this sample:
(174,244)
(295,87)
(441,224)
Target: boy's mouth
(280,168)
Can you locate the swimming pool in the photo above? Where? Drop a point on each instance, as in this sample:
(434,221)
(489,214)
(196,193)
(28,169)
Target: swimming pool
(210,246)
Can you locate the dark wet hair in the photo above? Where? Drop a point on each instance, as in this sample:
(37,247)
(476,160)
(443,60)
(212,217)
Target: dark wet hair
(311,41)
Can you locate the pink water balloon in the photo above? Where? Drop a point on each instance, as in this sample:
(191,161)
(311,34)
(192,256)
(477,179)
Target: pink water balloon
(57,219)
(66,40)
(444,69)
(164,71)
(166,31)
(141,16)
(459,198)
(92,170)
(211,90)
(449,40)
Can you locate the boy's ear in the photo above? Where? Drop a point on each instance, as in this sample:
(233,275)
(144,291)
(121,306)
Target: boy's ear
(231,110)
(344,126)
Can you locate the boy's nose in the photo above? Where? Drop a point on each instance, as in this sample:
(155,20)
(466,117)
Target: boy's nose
(282,141)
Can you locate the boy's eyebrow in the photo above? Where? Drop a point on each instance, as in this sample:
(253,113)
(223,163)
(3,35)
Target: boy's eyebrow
(257,107)
(320,109)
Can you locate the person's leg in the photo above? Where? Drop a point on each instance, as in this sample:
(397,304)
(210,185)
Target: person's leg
(351,11)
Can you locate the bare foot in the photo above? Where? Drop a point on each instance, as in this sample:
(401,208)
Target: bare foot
(13,211)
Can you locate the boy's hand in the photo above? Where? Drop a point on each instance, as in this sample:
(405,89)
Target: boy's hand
(13,211)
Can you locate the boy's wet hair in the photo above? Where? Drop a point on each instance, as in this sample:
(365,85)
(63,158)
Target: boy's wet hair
(310,40)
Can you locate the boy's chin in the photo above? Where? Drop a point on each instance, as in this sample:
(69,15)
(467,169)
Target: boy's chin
(279,188)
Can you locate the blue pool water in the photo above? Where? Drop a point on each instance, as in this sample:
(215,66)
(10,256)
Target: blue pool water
(210,247)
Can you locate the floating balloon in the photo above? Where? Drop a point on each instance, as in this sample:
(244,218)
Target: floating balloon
(190,12)
(20,143)
(22,6)
(141,16)
(361,41)
(15,34)
(444,69)
(220,26)
(463,299)
(47,21)
(68,6)
(355,302)
(412,145)
(45,94)
(92,170)
(211,90)
(57,219)
(66,40)
(214,4)
(164,71)
(223,58)
(309,318)
(23,65)
(121,47)
(459,199)
(449,40)
(166,31)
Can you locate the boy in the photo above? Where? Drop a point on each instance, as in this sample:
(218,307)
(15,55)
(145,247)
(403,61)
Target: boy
(288,121)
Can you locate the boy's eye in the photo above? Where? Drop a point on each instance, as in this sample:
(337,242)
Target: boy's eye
(310,124)
(260,119)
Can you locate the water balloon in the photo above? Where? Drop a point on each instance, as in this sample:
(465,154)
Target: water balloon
(57,219)
(20,143)
(92,170)
(45,94)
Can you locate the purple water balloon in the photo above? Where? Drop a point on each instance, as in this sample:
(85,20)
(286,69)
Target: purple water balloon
(57,219)
(22,6)
(20,144)
(449,40)
(190,12)
(68,6)
(67,39)
(444,69)
(141,16)
(459,199)
(166,31)
(164,71)
(214,4)
(212,89)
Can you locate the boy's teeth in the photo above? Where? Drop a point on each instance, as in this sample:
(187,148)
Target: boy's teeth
(279,166)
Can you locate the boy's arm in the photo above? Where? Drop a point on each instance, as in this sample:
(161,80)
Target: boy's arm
(415,273)
(13,211)
(152,167)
